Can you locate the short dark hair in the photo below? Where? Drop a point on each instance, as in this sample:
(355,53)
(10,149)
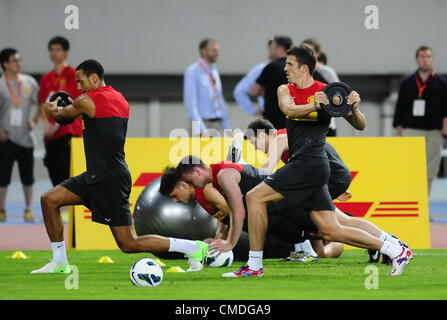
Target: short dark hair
(304,55)
(422,48)
(322,58)
(6,54)
(283,41)
(63,42)
(204,43)
(257,126)
(91,66)
(169,180)
(188,163)
(314,43)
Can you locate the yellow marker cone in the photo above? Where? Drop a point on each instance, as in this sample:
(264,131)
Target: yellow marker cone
(175,269)
(105,259)
(160,263)
(19,255)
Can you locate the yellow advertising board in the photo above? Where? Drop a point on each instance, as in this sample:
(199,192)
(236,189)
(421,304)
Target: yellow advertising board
(389,186)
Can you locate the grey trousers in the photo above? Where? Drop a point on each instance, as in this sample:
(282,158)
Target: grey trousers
(433,147)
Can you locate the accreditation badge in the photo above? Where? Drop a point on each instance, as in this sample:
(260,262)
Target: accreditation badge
(16,117)
(419,108)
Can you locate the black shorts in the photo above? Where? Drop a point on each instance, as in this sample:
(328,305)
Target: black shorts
(304,184)
(337,189)
(11,152)
(108,199)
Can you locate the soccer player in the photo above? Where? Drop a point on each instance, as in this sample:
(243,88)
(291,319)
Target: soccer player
(208,197)
(215,204)
(105,187)
(273,142)
(58,137)
(264,137)
(304,178)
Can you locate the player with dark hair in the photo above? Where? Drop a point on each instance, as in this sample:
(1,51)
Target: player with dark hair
(208,197)
(216,205)
(57,137)
(303,180)
(18,98)
(105,187)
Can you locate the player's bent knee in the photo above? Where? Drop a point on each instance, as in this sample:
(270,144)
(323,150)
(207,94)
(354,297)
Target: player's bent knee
(48,200)
(254,197)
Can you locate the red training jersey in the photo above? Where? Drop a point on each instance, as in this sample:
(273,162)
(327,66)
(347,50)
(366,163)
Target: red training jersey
(51,83)
(209,207)
(217,167)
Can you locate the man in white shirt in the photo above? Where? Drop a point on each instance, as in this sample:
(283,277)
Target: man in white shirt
(202,93)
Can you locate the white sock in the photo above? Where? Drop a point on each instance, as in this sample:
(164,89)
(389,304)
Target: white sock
(307,246)
(390,249)
(255,260)
(182,246)
(297,247)
(59,252)
(386,237)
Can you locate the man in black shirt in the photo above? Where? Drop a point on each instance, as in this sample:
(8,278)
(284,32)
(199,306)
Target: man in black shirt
(421,109)
(270,79)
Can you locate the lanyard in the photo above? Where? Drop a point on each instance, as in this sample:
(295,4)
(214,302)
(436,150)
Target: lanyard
(213,86)
(207,71)
(15,98)
(421,87)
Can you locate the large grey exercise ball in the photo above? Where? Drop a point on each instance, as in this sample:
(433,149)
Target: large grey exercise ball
(157,214)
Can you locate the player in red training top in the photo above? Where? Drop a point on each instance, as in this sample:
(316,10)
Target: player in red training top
(304,178)
(57,137)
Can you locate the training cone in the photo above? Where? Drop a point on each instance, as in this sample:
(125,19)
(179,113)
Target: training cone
(105,259)
(19,255)
(175,269)
(160,263)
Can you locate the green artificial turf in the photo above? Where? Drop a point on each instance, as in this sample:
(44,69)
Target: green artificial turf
(343,278)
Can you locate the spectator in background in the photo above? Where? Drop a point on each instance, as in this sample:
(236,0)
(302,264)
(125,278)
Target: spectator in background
(241,92)
(272,76)
(323,73)
(18,94)
(202,92)
(57,137)
(421,109)
(322,58)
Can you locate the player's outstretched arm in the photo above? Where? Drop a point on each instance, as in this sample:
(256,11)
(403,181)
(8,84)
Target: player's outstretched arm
(291,110)
(228,180)
(214,197)
(356,118)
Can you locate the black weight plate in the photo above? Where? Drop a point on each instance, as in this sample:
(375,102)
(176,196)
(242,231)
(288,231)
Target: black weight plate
(63,102)
(342,90)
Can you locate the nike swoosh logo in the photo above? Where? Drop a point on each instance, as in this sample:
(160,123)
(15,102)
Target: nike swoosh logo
(60,246)
(269,178)
(108,220)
